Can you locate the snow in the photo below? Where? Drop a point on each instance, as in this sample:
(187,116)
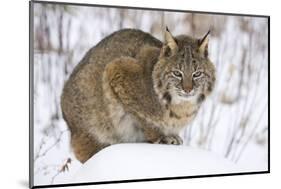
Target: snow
(144,161)
(226,128)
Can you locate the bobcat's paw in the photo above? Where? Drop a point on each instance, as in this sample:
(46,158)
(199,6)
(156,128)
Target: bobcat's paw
(173,139)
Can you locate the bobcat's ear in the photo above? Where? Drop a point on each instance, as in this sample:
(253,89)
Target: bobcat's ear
(203,44)
(170,46)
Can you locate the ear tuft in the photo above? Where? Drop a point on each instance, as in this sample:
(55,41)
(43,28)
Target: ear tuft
(203,44)
(167,29)
(170,41)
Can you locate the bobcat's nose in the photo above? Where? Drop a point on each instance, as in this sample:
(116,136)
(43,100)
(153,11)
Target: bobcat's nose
(187,87)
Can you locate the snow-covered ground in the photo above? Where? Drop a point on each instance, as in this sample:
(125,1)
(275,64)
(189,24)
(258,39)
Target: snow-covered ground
(232,124)
(146,161)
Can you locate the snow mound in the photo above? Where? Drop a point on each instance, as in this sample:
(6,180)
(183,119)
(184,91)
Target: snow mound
(144,161)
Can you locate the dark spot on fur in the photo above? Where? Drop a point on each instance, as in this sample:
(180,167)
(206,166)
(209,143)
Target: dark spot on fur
(201,98)
(167,97)
(206,53)
(210,87)
(174,115)
(176,41)
(166,51)
(159,84)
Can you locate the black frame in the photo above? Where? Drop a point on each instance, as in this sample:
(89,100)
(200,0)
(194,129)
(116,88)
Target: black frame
(31,97)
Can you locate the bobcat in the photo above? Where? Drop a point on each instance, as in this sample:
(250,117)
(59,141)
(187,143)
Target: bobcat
(131,88)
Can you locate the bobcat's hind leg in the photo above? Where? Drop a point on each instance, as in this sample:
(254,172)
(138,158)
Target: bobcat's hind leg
(85,146)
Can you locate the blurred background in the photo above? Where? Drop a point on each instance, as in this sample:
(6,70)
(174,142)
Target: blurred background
(233,122)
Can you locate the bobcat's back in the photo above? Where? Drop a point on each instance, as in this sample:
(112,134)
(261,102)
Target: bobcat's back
(82,98)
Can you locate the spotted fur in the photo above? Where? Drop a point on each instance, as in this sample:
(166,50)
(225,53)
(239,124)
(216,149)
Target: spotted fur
(131,87)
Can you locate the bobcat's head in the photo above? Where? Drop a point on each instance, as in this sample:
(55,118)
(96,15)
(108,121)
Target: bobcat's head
(183,71)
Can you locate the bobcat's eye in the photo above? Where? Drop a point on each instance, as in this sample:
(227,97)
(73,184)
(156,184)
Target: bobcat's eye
(197,74)
(177,74)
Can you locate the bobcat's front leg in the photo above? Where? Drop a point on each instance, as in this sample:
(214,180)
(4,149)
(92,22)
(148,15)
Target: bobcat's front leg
(155,135)
(170,139)
(125,78)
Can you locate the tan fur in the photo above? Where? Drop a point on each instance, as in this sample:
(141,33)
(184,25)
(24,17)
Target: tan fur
(114,94)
